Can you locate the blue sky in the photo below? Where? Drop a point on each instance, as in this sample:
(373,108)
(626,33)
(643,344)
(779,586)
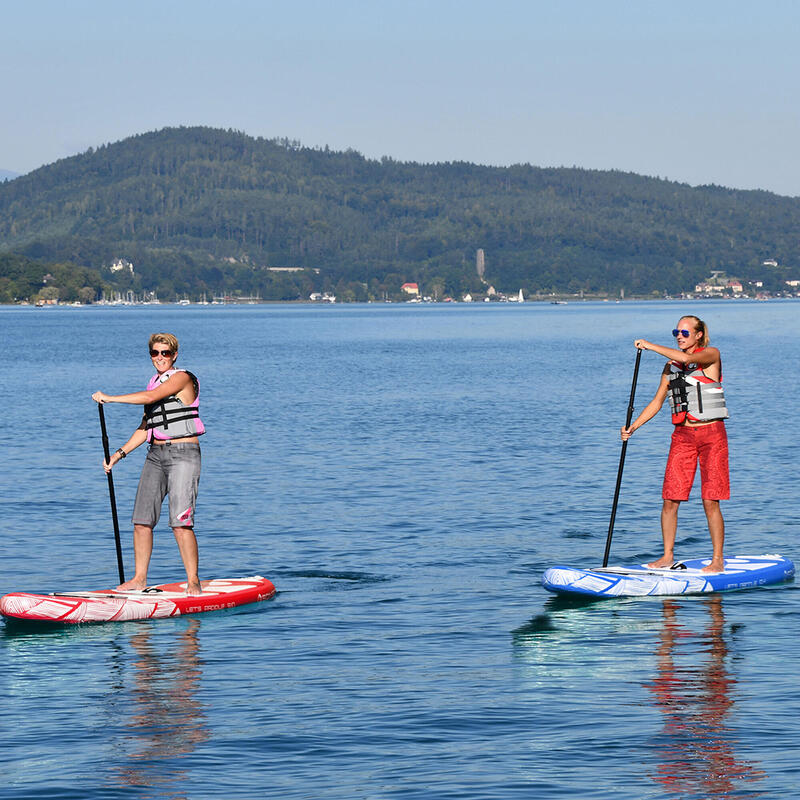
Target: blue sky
(699,92)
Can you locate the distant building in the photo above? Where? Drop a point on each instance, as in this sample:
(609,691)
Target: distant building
(793,283)
(770,262)
(480,263)
(718,283)
(709,288)
(120,264)
(410,288)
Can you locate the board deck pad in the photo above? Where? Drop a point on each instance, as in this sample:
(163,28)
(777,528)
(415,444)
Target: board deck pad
(155,602)
(638,580)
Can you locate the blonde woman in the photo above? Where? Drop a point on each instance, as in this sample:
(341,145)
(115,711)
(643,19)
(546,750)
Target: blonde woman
(692,380)
(171,425)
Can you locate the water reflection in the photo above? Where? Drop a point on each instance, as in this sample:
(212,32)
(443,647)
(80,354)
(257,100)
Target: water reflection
(165,720)
(678,650)
(694,691)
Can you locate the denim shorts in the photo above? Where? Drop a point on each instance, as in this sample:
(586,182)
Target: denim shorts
(172,469)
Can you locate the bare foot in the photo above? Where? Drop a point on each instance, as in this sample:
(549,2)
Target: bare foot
(133,585)
(193,588)
(662,563)
(715,566)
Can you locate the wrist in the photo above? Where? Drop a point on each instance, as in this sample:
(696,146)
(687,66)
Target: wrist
(121,453)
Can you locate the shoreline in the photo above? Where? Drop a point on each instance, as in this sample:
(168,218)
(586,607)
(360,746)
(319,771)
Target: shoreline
(555,300)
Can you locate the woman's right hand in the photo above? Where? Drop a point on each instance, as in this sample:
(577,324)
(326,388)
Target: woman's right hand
(625,433)
(109,465)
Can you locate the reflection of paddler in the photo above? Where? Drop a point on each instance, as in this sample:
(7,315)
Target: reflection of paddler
(168,720)
(698,756)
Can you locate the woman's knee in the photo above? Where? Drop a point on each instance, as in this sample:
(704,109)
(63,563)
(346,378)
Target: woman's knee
(671,506)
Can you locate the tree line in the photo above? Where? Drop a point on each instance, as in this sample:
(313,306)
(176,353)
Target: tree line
(207,210)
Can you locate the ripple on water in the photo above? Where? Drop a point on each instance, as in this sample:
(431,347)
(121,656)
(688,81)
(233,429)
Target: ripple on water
(403,482)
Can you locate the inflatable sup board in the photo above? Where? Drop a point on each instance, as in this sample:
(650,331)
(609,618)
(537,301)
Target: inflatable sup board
(155,602)
(684,577)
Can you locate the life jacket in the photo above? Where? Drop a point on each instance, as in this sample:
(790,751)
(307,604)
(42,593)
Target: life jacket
(693,395)
(170,418)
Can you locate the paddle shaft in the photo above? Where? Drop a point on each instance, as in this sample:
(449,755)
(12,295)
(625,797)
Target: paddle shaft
(622,460)
(111,494)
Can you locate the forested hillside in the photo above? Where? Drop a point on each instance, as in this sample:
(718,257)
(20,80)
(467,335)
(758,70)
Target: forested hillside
(204,210)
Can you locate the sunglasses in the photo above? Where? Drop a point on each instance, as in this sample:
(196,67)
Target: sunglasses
(683,332)
(165,353)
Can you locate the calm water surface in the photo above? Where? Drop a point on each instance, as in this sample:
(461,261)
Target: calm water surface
(404,475)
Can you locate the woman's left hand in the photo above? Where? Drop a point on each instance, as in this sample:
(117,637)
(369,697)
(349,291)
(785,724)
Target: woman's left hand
(642,344)
(100,397)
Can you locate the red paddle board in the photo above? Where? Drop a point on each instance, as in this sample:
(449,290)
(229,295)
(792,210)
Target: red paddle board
(155,602)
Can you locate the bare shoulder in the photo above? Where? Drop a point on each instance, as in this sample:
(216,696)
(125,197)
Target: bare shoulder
(177,382)
(186,389)
(709,355)
(178,378)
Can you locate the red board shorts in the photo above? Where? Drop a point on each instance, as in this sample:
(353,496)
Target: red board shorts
(707,444)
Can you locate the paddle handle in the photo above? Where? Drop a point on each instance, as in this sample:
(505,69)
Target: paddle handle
(628,419)
(111,495)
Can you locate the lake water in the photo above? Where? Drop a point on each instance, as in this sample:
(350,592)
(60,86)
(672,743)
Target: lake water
(404,475)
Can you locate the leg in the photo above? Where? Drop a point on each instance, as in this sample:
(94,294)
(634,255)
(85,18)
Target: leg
(716,486)
(142,550)
(678,479)
(184,477)
(716,527)
(669,528)
(187,544)
(146,512)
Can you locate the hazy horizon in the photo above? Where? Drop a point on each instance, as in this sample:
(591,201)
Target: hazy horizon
(695,93)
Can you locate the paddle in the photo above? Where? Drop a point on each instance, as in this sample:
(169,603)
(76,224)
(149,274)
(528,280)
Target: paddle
(111,494)
(622,459)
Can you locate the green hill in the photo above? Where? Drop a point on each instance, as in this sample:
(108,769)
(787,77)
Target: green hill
(205,210)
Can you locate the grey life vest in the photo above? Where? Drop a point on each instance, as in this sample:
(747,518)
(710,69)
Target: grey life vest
(695,396)
(170,418)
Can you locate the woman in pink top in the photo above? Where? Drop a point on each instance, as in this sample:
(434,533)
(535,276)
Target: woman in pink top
(171,425)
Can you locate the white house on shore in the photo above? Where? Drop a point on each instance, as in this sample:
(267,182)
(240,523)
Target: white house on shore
(120,264)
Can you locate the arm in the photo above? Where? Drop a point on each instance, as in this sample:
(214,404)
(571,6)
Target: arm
(650,410)
(174,384)
(138,437)
(703,358)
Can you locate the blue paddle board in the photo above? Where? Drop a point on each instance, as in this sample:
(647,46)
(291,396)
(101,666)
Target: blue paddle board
(684,577)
